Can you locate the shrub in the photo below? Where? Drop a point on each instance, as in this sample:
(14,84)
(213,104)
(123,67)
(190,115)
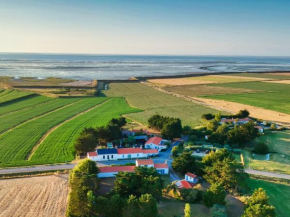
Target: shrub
(218,211)
(261,148)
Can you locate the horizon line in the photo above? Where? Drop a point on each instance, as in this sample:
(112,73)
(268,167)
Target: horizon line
(131,54)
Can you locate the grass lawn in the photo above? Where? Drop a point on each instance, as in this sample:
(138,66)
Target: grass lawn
(272,165)
(278,141)
(279,195)
(155,102)
(272,96)
(167,208)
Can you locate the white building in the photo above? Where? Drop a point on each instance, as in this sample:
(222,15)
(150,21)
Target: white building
(122,153)
(191,178)
(156,143)
(110,171)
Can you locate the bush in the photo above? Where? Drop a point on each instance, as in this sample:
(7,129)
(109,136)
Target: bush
(261,148)
(189,195)
(218,211)
(237,151)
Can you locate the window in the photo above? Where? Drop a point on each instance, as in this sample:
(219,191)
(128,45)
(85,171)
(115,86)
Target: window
(123,156)
(137,155)
(104,157)
(112,156)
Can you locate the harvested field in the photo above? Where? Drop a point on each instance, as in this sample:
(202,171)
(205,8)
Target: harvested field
(177,81)
(34,197)
(256,112)
(260,75)
(279,73)
(209,79)
(196,90)
(280,82)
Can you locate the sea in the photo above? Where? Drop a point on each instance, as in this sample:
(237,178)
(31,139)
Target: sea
(108,67)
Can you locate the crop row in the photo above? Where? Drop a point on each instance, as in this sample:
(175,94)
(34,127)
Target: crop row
(59,145)
(156,102)
(22,104)
(17,144)
(13,119)
(12,95)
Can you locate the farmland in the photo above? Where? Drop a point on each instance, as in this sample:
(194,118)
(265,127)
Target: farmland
(155,102)
(58,146)
(10,95)
(279,195)
(23,103)
(34,197)
(23,138)
(272,96)
(15,118)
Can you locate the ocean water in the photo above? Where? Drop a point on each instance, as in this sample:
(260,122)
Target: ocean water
(84,67)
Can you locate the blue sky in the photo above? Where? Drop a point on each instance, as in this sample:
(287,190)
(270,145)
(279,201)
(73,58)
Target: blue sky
(182,27)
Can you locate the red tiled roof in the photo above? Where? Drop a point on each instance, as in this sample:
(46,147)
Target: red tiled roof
(92,154)
(129,150)
(150,151)
(155,140)
(185,184)
(161,166)
(144,162)
(190,175)
(117,169)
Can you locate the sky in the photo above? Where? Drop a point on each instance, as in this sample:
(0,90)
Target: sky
(168,27)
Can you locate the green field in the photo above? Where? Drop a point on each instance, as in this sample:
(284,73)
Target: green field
(272,96)
(279,145)
(10,95)
(279,195)
(155,102)
(58,146)
(22,103)
(17,144)
(279,76)
(13,119)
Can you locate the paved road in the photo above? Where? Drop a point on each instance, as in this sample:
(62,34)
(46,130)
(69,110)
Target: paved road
(268,174)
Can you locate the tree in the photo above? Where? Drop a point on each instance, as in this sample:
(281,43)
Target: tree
(220,155)
(144,181)
(120,122)
(243,134)
(148,206)
(215,195)
(174,151)
(184,163)
(186,130)
(258,205)
(212,125)
(83,182)
(103,135)
(187,210)
(172,129)
(207,116)
(85,143)
(243,113)
(132,209)
(261,148)
(228,173)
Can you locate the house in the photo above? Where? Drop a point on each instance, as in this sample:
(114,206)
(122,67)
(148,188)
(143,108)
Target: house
(183,184)
(260,129)
(110,171)
(235,121)
(121,153)
(191,178)
(156,143)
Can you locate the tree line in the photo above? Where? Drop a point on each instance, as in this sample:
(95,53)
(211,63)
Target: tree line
(90,138)
(134,194)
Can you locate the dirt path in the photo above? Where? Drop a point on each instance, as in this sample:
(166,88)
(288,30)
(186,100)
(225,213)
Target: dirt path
(256,112)
(57,126)
(34,197)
